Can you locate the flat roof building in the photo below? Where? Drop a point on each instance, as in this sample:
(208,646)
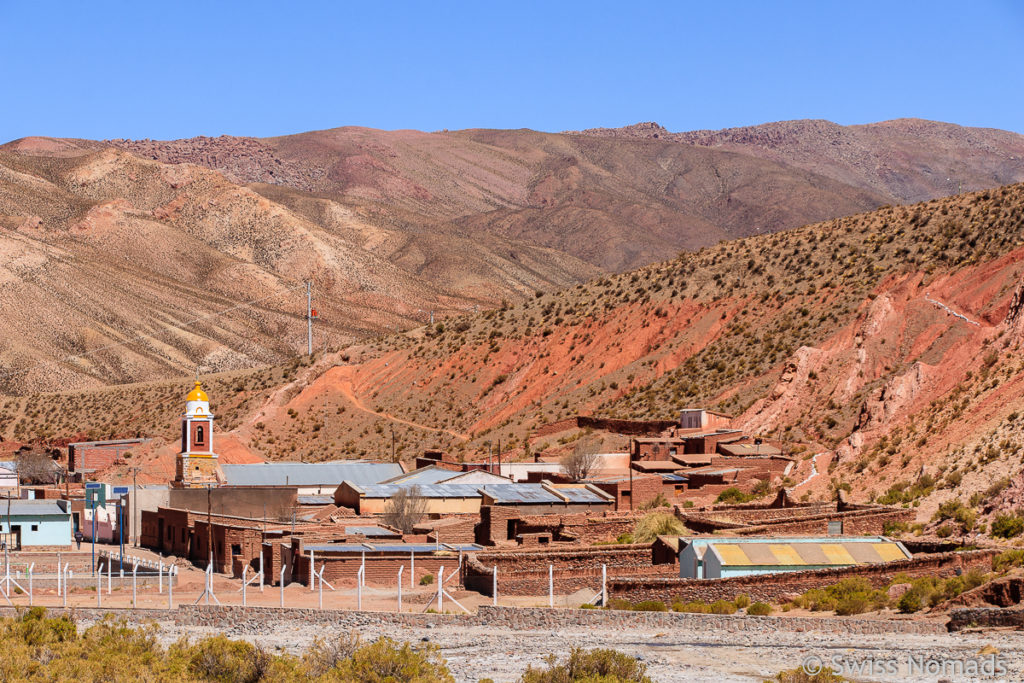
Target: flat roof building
(310,478)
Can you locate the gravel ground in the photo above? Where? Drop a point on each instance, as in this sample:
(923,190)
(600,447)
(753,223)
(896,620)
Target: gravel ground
(477,653)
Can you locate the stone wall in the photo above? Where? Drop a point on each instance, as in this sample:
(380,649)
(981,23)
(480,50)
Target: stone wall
(987,617)
(255,619)
(782,586)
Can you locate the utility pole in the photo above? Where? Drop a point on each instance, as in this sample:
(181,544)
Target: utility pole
(135,507)
(310,314)
(209,520)
(393,459)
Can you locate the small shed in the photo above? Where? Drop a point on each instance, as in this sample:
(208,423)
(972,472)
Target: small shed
(723,557)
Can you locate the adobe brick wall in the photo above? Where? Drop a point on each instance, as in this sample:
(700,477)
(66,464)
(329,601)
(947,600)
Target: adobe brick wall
(526,573)
(630,427)
(776,587)
(381,570)
(255,619)
(645,488)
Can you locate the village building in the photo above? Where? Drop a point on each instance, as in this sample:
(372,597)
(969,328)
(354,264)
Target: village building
(35,524)
(196,464)
(439,499)
(310,478)
(724,557)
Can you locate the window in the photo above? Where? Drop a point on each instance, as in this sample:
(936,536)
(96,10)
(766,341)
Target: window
(835,528)
(35,527)
(236,549)
(200,435)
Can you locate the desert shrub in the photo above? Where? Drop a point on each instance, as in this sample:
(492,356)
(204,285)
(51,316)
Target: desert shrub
(426,579)
(1007,560)
(649,606)
(733,496)
(929,591)
(693,606)
(624,538)
(760,609)
(853,595)
(741,601)
(604,666)
(655,524)
(722,607)
(386,661)
(944,531)
(1007,526)
(659,501)
(620,604)
(798,675)
(229,661)
(324,655)
(958,512)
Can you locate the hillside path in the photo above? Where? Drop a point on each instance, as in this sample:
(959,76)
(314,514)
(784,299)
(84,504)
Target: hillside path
(345,386)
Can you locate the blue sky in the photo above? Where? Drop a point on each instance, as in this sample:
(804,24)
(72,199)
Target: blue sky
(169,70)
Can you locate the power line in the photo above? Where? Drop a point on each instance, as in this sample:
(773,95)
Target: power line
(142,335)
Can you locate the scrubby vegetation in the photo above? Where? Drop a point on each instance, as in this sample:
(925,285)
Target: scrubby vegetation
(41,648)
(594,666)
(655,524)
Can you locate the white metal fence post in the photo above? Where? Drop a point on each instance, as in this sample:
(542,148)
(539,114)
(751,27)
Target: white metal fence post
(99,588)
(135,568)
(31,570)
(494,586)
(401,567)
(262,579)
(281,581)
(359,588)
(160,578)
(551,586)
(64,571)
(245,570)
(322,567)
(604,585)
(440,590)
(412,569)
(60,564)
(170,588)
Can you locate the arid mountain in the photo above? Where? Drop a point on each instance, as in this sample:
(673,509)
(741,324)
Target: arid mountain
(885,347)
(909,160)
(120,254)
(617,198)
(100,247)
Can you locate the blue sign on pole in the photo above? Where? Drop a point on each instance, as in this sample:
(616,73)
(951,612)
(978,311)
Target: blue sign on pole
(120,490)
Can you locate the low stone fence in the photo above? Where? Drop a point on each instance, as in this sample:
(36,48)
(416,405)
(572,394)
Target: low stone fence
(781,586)
(256,619)
(987,617)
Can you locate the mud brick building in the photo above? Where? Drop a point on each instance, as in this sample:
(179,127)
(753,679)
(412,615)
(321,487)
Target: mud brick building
(90,456)
(632,491)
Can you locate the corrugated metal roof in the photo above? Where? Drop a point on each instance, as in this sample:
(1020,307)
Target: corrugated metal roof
(424,475)
(425,490)
(392,547)
(780,553)
(581,494)
(316,500)
(520,493)
(309,474)
(369,531)
(32,508)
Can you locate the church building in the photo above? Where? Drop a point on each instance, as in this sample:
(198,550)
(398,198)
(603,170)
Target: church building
(196,465)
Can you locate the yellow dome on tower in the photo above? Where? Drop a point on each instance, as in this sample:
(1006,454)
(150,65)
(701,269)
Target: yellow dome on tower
(197,394)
